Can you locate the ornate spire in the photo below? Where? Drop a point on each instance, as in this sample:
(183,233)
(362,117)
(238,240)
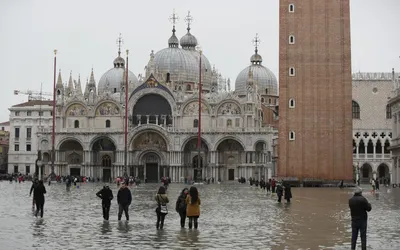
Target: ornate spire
(119,62)
(256,58)
(188,41)
(59,80)
(87,88)
(173,41)
(70,82)
(92,81)
(78,86)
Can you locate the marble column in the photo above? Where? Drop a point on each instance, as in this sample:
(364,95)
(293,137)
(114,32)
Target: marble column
(157,119)
(148,118)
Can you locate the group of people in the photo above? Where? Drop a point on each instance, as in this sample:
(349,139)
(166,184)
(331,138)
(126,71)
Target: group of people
(282,189)
(187,204)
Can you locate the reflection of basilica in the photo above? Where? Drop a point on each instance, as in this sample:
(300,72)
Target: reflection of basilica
(237,129)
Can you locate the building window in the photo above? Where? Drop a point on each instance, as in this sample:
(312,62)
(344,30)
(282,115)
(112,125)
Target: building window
(15,169)
(58,92)
(291,39)
(108,124)
(262,99)
(291,8)
(195,123)
(16,147)
(168,77)
(27,169)
(29,133)
(188,87)
(292,103)
(16,113)
(292,71)
(51,112)
(269,101)
(292,136)
(356,110)
(115,90)
(388,112)
(76,124)
(29,113)
(28,147)
(40,113)
(266,91)
(229,123)
(106,161)
(16,132)
(2,128)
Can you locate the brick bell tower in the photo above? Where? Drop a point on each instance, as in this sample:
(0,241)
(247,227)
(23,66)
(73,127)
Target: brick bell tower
(315,97)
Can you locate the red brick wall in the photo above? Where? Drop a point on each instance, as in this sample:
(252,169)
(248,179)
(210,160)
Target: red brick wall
(322,118)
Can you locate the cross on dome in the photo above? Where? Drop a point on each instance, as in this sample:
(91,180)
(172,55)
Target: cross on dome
(119,42)
(189,20)
(174,18)
(256,42)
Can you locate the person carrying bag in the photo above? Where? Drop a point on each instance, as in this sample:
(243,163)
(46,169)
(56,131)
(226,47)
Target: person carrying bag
(161,210)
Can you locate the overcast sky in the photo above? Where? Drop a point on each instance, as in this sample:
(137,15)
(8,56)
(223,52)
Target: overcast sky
(85,34)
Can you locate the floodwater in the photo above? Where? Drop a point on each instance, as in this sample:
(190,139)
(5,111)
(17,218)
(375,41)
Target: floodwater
(233,216)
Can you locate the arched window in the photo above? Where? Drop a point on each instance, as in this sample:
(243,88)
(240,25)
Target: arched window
(195,123)
(108,123)
(262,99)
(291,7)
(229,123)
(292,71)
(188,87)
(106,161)
(292,103)
(168,78)
(388,112)
(356,110)
(291,39)
(76,124)
(58,92)
(292,136)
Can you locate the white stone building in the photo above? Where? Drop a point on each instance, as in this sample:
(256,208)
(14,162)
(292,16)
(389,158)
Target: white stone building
(26,120)
(163,120)
(372,125)
(394,103)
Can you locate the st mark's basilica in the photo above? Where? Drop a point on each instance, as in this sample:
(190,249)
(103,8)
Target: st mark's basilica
(237,127)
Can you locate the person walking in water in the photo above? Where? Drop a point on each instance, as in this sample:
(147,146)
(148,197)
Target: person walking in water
(34,184)
(288,192)
(181,206)
(359,206)
(38,195)
(124,199)
(193,207)
(106,196)
(161,210)
(279,191)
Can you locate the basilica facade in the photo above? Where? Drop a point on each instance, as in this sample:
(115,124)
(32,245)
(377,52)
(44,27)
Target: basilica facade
(237,127)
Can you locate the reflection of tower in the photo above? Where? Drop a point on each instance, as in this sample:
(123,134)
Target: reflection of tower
(315,134)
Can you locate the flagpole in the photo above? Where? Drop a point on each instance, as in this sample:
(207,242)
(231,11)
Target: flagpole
(199,124)
(53,150)
(126,117)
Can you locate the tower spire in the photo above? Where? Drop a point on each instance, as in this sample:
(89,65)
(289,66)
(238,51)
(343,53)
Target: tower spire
(174,19)
(173,41)
(119,42)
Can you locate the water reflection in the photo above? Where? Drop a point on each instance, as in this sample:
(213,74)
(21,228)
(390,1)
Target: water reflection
(233,216)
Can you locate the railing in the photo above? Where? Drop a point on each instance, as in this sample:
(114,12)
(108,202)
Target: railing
(28,138)
(16,139)
(371,156)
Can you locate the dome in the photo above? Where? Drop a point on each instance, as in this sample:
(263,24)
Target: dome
(188,41)
(262,76)
(256,59)
(173,40)
(178,63)
(113,78)
(119,62)
(206,69)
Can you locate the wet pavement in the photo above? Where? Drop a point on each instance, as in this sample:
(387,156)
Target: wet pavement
(233,216)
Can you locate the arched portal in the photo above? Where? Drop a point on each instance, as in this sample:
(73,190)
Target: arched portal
(102,157)
(152,108)
(191,159)
(366,173)
(229,155)
(151,170)
(262,155)
(71,153)
(383,174)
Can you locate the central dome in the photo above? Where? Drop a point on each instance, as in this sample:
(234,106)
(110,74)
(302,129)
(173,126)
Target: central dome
(114,78)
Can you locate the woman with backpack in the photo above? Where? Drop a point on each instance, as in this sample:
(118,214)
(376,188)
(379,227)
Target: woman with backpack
(161,210)
(181,206)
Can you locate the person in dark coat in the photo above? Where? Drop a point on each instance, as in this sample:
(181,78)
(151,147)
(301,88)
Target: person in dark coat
(34,185)
(38,195)
(288,192)
(180,206)
(279,191)
(124,199)
(106,196)
(359,206)
(376,184)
